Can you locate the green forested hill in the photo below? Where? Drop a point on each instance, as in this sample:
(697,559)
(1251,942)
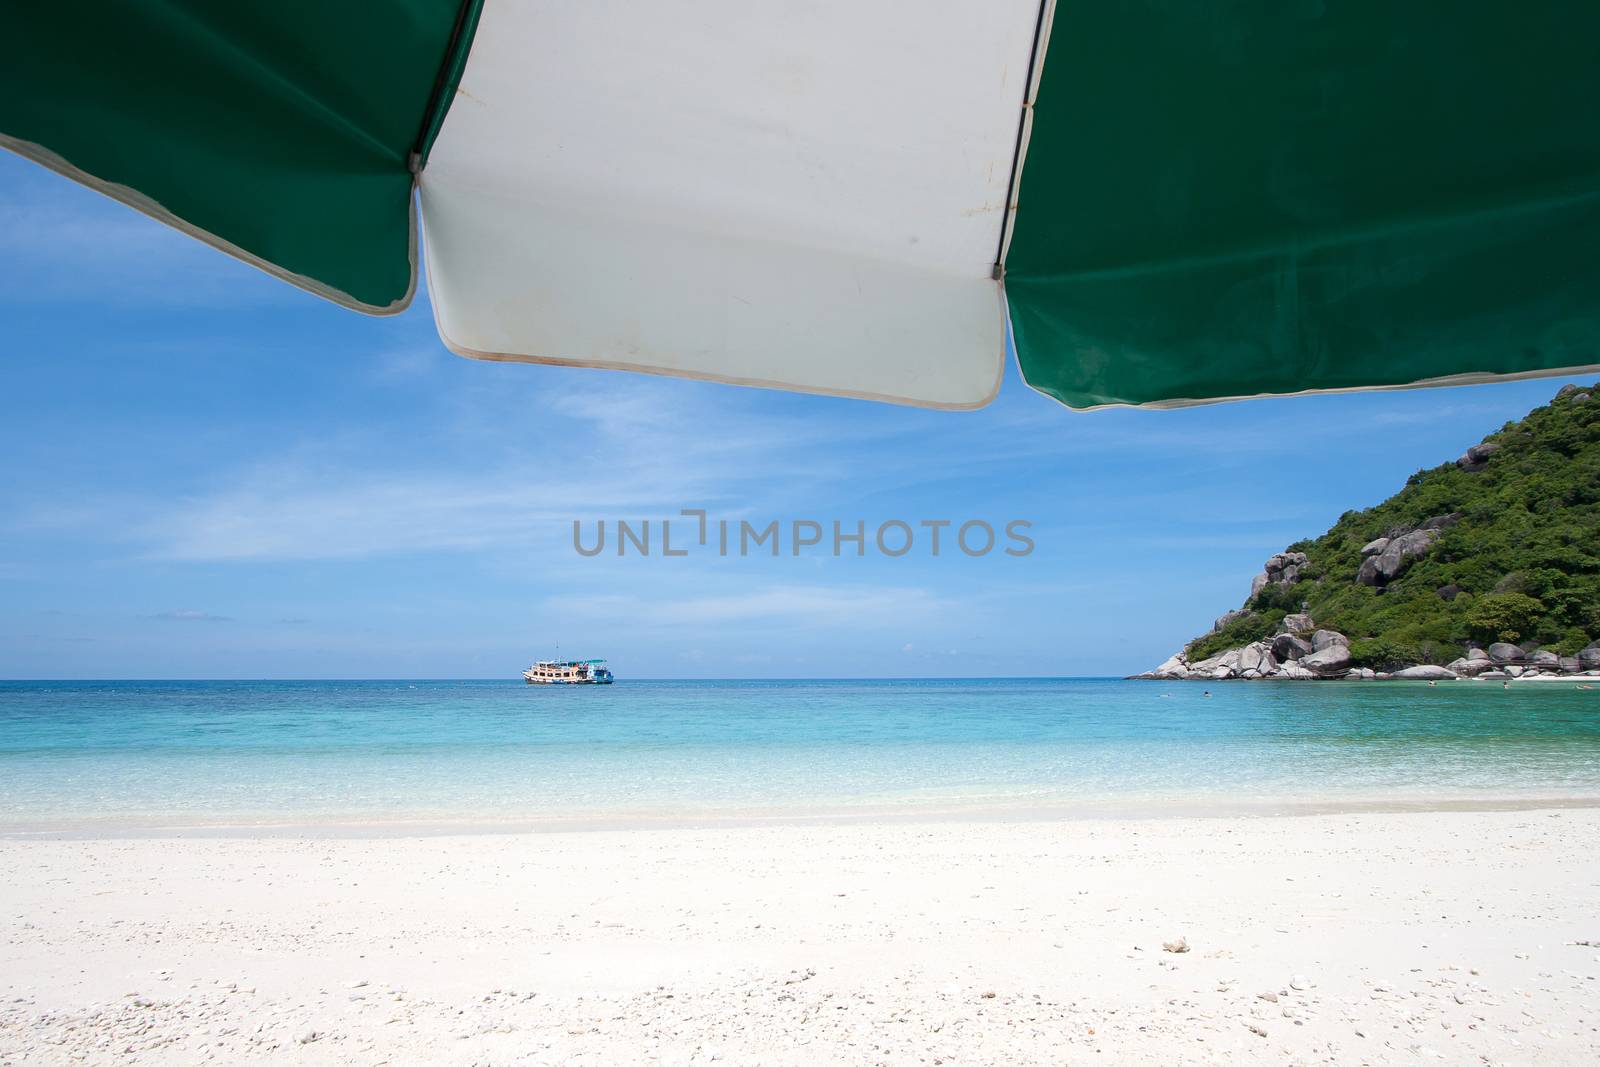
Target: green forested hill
(1516,555)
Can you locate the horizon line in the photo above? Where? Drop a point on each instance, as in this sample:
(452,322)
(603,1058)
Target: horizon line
(500,678)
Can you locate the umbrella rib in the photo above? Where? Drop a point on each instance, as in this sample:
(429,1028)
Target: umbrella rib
(445,81)
(1016,148)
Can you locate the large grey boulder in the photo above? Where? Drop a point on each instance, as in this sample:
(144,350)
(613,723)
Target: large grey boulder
(1287,647)
(1448,592)
(1477,457)
(1425,672)
(1589,658)
(1566,390)
(1477,653)
(1331,660)
(1441,522)
(1258,583)
(1296,624)
(1294,672)
(1223,665)
(1175,667)
(1506,652)
(1386,566)
(1257,657)
(1570,665)
(1367,573)
(1409,546)
(1544,660)
(1373,547)
(1469,667)
(1328,638)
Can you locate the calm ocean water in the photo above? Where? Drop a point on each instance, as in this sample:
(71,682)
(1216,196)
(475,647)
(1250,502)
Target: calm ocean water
(161,754)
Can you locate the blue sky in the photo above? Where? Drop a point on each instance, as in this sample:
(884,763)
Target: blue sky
(211,474)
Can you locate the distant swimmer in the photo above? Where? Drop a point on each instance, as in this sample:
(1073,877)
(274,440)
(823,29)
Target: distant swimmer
(1505,685)
(1585,687)
(1433,683)
(1206,693)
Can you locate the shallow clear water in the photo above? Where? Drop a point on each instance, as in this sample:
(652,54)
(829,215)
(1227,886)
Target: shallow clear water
(144,754)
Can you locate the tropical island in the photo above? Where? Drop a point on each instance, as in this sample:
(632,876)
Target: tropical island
(1487,567)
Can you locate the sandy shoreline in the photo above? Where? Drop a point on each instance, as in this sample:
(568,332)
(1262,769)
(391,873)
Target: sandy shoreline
(1110,810)
(1349,938)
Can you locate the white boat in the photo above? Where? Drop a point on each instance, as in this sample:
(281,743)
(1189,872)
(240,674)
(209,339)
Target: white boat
(568,672)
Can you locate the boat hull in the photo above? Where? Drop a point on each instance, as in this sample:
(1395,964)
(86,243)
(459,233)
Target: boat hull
(568,672)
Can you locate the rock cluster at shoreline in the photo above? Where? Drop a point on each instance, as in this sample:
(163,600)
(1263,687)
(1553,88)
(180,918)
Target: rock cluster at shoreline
(1299,651)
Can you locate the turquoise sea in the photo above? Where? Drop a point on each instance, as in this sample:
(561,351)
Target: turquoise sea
(150,755)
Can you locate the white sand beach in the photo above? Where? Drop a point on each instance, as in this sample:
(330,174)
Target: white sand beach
(1451,936)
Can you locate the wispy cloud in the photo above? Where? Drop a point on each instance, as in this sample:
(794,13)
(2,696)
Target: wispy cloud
(853,607)
(635,451)
(1421,416)
(190,616)
(70,243)
(406,365)
(51,639)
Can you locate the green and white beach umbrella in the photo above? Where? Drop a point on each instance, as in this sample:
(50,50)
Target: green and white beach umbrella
(1170,201)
